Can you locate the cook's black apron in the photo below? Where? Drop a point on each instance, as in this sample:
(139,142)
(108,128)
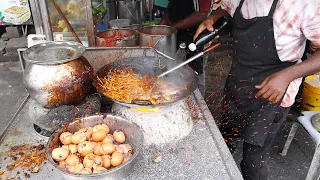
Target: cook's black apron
(255,58)
(181,9)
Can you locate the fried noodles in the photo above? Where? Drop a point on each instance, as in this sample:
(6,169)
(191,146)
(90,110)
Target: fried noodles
(127,85)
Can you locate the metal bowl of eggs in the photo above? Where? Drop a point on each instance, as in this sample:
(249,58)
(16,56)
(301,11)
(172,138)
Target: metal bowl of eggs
(102,146)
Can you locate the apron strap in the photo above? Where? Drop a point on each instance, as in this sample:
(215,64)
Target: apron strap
(240,5)
(273,8)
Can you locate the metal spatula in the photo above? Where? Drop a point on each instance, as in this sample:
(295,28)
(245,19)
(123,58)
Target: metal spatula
(212,47)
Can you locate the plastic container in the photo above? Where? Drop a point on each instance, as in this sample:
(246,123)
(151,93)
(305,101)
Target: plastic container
(119,23)
(181,53)
(311,94)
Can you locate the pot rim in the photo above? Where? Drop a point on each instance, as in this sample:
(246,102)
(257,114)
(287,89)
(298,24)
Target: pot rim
(118,29)
(156,26)
(53,52)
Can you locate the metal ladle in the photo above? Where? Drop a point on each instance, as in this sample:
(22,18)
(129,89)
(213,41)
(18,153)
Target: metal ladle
(148,102)
(212,47)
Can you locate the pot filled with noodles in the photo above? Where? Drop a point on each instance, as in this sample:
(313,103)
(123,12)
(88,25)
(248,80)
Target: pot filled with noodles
(134,83)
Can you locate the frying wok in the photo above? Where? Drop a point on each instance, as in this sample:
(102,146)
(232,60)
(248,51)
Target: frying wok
(173,87)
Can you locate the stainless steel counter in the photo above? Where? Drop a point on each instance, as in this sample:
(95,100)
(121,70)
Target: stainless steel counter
(201,155)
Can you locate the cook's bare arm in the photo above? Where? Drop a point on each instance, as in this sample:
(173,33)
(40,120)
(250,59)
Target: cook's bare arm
(165,19)
(274,87)
(192,20)
(208,23)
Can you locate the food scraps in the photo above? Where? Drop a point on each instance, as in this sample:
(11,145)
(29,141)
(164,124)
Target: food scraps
(25,158)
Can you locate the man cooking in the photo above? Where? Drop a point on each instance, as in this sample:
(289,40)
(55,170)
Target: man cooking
(185,16)
(270,38)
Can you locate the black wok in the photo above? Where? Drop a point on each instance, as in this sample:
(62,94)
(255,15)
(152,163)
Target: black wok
(177,85)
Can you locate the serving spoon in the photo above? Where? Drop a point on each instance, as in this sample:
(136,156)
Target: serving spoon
(210,48)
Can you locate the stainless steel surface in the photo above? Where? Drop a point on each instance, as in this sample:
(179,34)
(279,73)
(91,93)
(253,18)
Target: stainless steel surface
(52,80)
(52,53)
(36,16)
(134,27)
(100,56)
(202,151)
(151,3)
(134,137)
(45,19)
(183,82)
(127,38)
(134,10)
(137,28)
(162,38)
(111,12)
(22,61)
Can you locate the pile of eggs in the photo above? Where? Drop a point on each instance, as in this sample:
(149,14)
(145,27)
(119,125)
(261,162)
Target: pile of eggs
(92,150)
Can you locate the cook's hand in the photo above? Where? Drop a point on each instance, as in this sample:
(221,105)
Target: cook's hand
(164,21)
(206,24)
(273,87)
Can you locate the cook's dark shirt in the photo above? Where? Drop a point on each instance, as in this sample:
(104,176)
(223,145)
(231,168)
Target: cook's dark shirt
(183,8)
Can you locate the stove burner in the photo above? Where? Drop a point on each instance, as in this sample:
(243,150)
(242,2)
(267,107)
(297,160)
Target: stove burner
(41,131)
(168,125)
(52,119)
(155,110)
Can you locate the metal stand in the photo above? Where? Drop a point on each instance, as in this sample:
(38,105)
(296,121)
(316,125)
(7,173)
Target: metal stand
(305,121)
(150,9)
(24,30)
(290,138)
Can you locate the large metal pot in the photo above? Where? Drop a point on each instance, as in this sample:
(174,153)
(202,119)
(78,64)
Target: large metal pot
(135,27)
(134,137)
(57,73)
(162,38)
(134,10)
(116,38)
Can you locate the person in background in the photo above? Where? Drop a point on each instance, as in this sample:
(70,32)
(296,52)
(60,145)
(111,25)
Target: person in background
(185,16)
(270,38)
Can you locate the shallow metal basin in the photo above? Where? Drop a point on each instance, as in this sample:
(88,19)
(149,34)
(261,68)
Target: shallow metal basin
(134,137)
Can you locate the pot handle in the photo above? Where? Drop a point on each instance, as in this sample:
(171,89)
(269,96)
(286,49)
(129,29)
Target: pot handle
(155,54)
(141,102)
